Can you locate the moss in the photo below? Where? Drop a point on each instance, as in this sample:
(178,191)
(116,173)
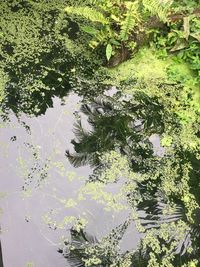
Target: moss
(146,66)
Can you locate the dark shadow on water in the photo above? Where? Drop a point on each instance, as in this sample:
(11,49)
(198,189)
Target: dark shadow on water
(1,257)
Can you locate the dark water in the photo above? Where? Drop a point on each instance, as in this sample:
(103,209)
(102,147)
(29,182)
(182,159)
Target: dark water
(36,178)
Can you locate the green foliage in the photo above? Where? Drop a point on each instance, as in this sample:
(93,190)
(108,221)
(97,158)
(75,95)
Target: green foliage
(86,250)
(88,13)
(109,16)
(155,96)
(158,7)
(131,19)
(39,51)
(108,51)
(127,25)
(3,81)
(182,39)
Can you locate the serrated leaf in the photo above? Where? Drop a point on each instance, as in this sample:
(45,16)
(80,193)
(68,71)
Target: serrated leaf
(108,51)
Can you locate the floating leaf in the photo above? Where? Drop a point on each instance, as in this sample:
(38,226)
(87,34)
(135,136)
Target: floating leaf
(108,51)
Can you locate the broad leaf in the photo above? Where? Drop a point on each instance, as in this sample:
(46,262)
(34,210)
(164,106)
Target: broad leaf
(108,51)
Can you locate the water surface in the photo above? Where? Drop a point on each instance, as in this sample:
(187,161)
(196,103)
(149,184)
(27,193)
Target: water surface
(36,179)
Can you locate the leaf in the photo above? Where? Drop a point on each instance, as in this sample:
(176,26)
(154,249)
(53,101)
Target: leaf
(115,18)
(186,27)
(180,44)
(196,36)
(115,42)
(128,24)
(158,8)
(108,51)
(89,30)
(93,44)
(88,13)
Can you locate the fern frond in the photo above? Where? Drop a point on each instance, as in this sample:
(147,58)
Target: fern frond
(98,106)
(88,13)
(131,18)
(159,8)
(79,131)
(81,159)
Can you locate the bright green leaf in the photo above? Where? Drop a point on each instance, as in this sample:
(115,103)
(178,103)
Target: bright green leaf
(108,51)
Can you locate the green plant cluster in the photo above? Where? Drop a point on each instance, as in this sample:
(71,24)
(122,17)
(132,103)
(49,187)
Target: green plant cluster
(44,54)
(121,27)
(182,40)
(156,96)
(114,24)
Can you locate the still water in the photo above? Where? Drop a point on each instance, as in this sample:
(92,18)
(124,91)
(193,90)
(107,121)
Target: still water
(36,183)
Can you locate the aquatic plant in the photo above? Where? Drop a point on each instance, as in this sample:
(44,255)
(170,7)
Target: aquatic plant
(162,190)
(44,53)
(86,250)
(39,51)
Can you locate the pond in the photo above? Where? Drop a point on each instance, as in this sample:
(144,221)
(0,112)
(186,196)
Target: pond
(38,181)
(99,133)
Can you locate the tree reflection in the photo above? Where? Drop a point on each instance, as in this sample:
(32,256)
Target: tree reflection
(169,198)
(125,125)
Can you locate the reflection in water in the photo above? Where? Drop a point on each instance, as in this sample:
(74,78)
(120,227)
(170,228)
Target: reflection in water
(47,198)
(43,188)
(112,126)
(115,124)
(40,56)
(84,248)
(132,127)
